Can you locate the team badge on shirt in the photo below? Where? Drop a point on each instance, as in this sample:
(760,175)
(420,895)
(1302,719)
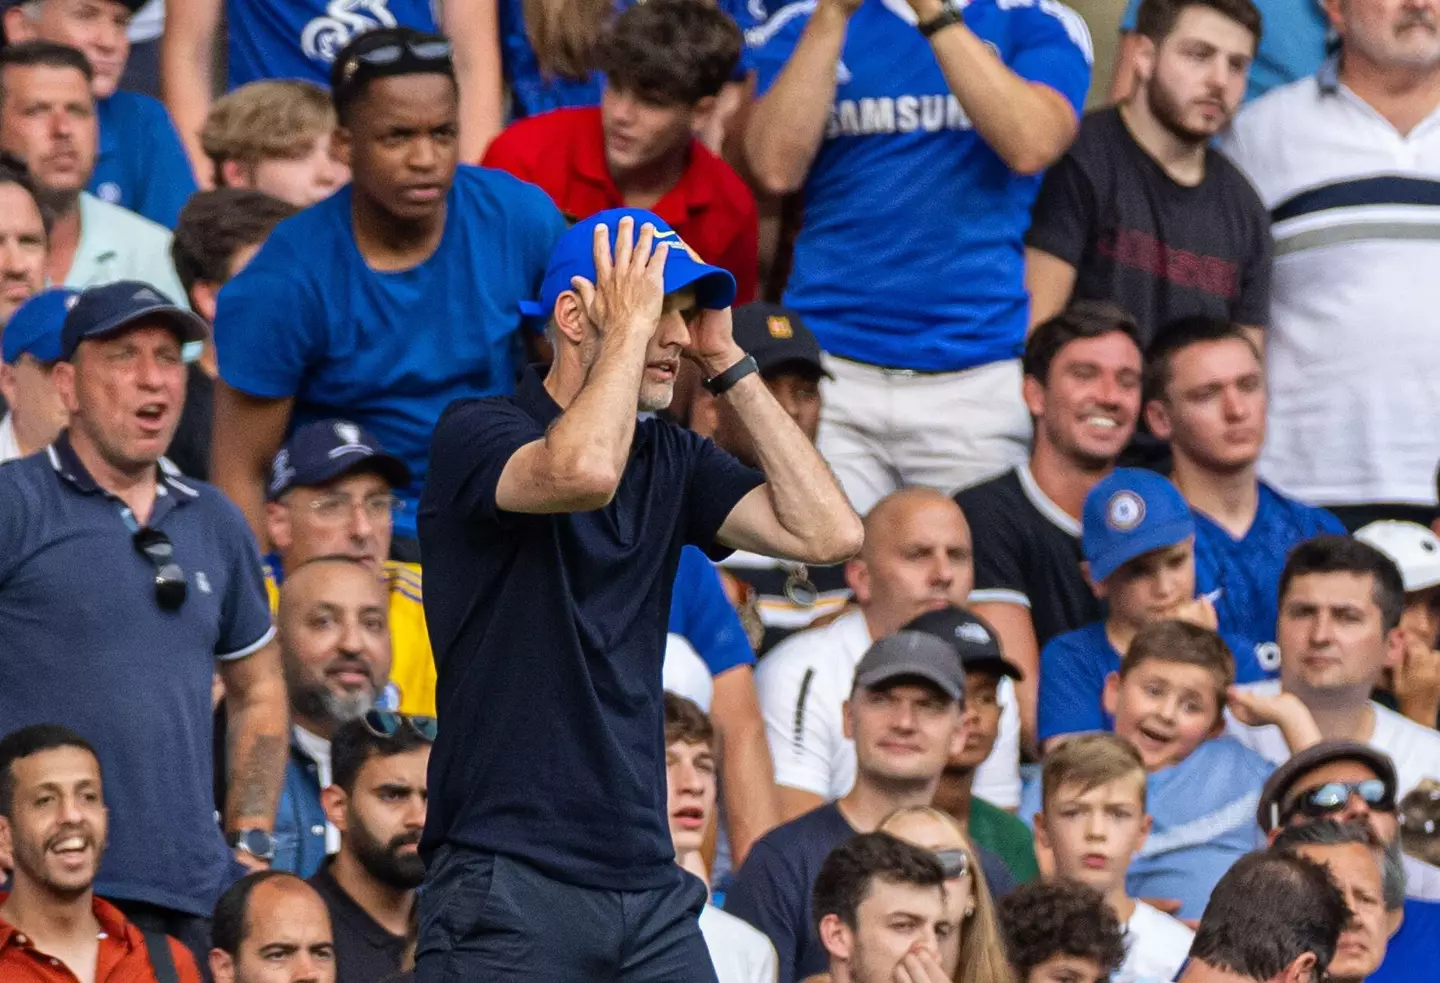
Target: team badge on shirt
(1125,511)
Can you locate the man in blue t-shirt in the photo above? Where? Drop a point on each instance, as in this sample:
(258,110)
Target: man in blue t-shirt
(140,162)
(915,137)
(1205,393)
(390,299)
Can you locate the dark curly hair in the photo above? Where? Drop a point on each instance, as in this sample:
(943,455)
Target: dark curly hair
(845,877)
(1045,919)
(671,52)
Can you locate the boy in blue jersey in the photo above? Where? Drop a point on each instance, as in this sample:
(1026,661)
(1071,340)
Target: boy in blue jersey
(1205,393)
(1139,541)
(915,136)
(390,299)
(140,163)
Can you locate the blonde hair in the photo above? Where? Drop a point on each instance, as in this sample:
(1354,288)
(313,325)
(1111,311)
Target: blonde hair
(982,953)
(1089,761)
(566,34)
(272,120)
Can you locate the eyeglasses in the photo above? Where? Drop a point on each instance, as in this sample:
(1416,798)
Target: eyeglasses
(1332,797)
(433,52)
(387,723)
(334,509)
(170,586)
(955,863)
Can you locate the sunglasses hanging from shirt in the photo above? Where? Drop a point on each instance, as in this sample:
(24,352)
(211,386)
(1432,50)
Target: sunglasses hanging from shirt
(170,586)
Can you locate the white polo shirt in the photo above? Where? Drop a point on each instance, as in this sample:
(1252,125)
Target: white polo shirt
(803,685)
(1352,354)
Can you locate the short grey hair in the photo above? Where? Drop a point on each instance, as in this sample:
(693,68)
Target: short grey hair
(1330,832)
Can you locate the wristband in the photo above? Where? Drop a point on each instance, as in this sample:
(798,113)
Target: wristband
(950,15)
(725,381)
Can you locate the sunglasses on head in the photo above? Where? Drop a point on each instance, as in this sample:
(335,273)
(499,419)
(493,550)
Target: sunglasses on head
(170,586)
(955,863)
(1332,797)
(433,52)
(387,723)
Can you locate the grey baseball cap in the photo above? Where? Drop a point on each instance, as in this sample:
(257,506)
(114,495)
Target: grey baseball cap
(912,653)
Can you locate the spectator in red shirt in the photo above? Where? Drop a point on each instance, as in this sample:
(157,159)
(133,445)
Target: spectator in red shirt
(665,63)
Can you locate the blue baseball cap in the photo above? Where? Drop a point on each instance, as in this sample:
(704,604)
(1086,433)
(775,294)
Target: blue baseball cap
(574,256)
(107,310)
(1128,514)
(34,328)
(320,452)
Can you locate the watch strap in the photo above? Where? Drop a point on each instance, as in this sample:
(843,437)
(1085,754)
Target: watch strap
(950,15)
(725,381)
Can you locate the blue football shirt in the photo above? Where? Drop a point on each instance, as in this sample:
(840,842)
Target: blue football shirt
(701,613)
(140,163)
(298,39)
(1073,667)
(1410,955)
(309,319)
(910,255)
(1243,575)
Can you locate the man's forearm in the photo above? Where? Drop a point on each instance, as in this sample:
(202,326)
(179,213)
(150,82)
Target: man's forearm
(255,751)
(752,808)
(788,124)
(599,425)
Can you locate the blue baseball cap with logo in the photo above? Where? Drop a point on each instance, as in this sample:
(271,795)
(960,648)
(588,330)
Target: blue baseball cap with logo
(35,327)
(1128,514)
(116,307)
(574,256)
(320,452)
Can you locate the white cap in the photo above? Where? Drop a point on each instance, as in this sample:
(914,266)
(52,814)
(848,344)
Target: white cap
(1414,548)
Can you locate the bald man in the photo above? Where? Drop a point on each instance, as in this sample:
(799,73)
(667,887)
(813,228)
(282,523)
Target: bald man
(272,927)
(335,642)
(916,558)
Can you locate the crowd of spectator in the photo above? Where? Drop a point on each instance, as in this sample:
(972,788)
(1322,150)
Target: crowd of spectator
(1059,603)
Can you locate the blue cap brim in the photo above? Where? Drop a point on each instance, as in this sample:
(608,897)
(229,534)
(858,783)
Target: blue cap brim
(1157,537)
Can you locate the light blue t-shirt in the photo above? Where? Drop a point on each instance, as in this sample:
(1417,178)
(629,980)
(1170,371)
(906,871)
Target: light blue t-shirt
(309,319)
(910,255)
(1292,42)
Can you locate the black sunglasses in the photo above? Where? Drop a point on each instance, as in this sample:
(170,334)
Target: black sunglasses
(170,586)
(955,863)
(387,723)
(1332,797)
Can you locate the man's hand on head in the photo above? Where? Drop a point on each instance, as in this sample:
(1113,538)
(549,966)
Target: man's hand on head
(629,289)
(712,342)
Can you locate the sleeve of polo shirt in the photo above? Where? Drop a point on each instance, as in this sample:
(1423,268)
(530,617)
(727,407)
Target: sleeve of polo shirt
(1071,685)
(1054,50)
(268,324)
(245,622)
(469,451)
(717,483)
(168,181)
(1062,223)
(999,557)
(804,735)
(707,620)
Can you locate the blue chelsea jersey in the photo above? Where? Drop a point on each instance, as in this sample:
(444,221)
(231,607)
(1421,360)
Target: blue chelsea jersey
(298,39)
(910,255)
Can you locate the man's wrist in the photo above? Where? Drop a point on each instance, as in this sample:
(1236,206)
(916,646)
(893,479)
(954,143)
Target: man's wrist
(713,365)
(926,10)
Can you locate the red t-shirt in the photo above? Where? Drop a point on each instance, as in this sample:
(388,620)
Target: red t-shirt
(563,151)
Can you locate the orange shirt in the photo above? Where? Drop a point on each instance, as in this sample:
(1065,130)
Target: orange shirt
(123,956)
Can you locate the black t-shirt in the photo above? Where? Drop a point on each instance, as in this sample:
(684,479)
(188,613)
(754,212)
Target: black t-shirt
(549,634)
(365,952)
(190,450)
(773,889)
(1027,552)
(1156,248)
(790,596)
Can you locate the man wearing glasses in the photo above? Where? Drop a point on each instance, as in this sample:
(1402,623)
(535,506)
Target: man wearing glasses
(332,492)
(122,587)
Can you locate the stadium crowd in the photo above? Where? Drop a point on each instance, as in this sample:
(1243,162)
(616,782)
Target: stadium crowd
(867,491)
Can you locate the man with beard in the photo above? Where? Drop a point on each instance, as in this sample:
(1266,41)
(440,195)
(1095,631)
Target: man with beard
(52,813)
(377,802)
(335,643)
(1141,210)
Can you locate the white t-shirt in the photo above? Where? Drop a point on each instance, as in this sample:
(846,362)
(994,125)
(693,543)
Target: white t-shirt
(803,685)
(740,952)
(317,749)
(1156,945)
(1414,749)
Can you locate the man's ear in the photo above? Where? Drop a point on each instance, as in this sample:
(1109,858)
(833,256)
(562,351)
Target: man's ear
(222,967)
(848,726)
(341,145)
(17,25)
(1157,414)
(204,298)
(857,578)
(1305,969)
(334,800)
(1146,54)
(1042,832)
(1033,392)
(1394,648)
(8,388)
(569,317)
(277,525)
(836,937)
(63,375)
(962,732)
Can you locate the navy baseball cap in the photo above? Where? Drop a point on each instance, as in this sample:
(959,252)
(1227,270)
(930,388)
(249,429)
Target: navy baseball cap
(103,311)
(35,326)
(776,336)
(574,256)
(1129,513)
(320,452)
(972,637)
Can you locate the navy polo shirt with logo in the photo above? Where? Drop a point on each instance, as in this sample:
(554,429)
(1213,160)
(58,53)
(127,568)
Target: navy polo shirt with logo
(549,634)
(83,643)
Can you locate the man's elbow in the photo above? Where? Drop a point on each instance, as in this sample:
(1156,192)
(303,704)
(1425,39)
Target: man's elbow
(841,543)
(586,485)
(1034,156)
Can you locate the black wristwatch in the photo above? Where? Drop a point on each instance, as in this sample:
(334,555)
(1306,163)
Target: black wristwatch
(949,14)
(725,381)
(256,842)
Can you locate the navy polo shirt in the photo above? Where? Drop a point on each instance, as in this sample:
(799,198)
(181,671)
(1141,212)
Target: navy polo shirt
(549,634)
(83,643)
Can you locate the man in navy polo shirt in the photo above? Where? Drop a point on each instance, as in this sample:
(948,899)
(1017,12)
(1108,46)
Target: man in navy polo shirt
(122,587)
(391,298)
(140,162)
(551,530)
(915,136)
